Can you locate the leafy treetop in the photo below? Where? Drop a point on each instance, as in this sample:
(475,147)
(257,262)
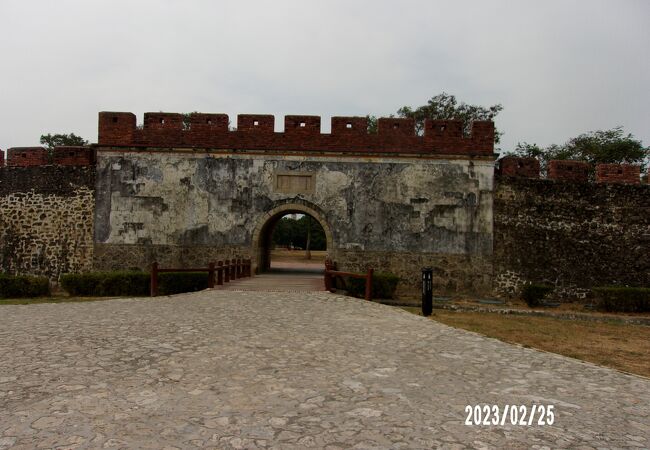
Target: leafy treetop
(56,140)
(445,107)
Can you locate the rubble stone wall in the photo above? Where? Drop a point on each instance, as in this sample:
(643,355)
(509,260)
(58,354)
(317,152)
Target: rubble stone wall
(46,219)
(573,235)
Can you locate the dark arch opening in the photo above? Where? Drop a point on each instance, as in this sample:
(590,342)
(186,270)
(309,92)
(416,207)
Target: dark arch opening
(262,236)
(292,241)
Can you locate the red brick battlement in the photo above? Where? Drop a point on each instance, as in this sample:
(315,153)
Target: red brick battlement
(26,156)
(256,132)
(513,166)
(618,173)
(73,156)
(568,170)
(62,156)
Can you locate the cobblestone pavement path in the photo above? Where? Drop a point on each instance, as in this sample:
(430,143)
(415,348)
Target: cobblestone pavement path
(279,281)
(227,369)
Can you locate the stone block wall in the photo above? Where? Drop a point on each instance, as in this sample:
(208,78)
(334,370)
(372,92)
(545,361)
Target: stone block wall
(46,219)
(452,273)
(128,256)
(571,235)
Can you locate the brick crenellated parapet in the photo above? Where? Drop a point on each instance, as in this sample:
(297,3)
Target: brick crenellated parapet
(256,132)
(568,170)
(618,173)
(514,166)
(62,156)
(73,156)
(27,156)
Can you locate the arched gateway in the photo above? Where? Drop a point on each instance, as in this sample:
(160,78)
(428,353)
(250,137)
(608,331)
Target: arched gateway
(262,235)
(188,192)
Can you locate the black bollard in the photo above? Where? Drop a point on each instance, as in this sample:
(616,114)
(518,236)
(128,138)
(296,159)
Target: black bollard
(427,291)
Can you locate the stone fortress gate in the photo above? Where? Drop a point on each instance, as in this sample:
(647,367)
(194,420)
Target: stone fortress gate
(184,194)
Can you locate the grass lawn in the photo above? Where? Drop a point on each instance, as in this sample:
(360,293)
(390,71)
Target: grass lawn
(620,346)
(53,299)
(280,254)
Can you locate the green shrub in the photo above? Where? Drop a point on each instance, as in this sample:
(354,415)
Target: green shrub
(80,283)
(622,299)
(383,285)
(178,282)
(106,284)
(533,294)
(23,286)
(132,283)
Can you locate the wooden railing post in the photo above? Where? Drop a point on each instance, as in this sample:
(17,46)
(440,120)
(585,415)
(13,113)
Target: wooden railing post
(233,269)
(211,275)
(153,286)
(328,280)
(239,268)
(220,273)
(226,271)
(369,284)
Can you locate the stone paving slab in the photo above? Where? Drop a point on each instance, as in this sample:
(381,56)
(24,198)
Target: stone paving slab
(220,369)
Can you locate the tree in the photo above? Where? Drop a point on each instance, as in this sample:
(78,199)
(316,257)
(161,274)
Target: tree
(372,124)
(444,107)
(187,121)
(594,147)
(56,140)
(302,232)
(308,243)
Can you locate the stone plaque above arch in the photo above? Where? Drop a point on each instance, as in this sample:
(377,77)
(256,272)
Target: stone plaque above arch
(295,182)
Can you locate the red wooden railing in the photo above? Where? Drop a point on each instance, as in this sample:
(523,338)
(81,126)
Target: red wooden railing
(330,274)
(225,271)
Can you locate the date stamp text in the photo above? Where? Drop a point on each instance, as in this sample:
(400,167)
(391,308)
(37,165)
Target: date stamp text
(519,415)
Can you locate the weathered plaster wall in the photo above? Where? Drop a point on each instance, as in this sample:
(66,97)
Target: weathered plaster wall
(569,234)
(181,208)
(46,219)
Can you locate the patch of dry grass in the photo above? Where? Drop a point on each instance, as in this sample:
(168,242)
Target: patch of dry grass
(620,346)
(578,307)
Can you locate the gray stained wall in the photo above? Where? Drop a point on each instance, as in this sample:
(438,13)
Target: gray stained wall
(46,219)
(394,213)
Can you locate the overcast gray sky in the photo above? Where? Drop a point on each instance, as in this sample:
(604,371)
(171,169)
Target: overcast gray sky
(559,67)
